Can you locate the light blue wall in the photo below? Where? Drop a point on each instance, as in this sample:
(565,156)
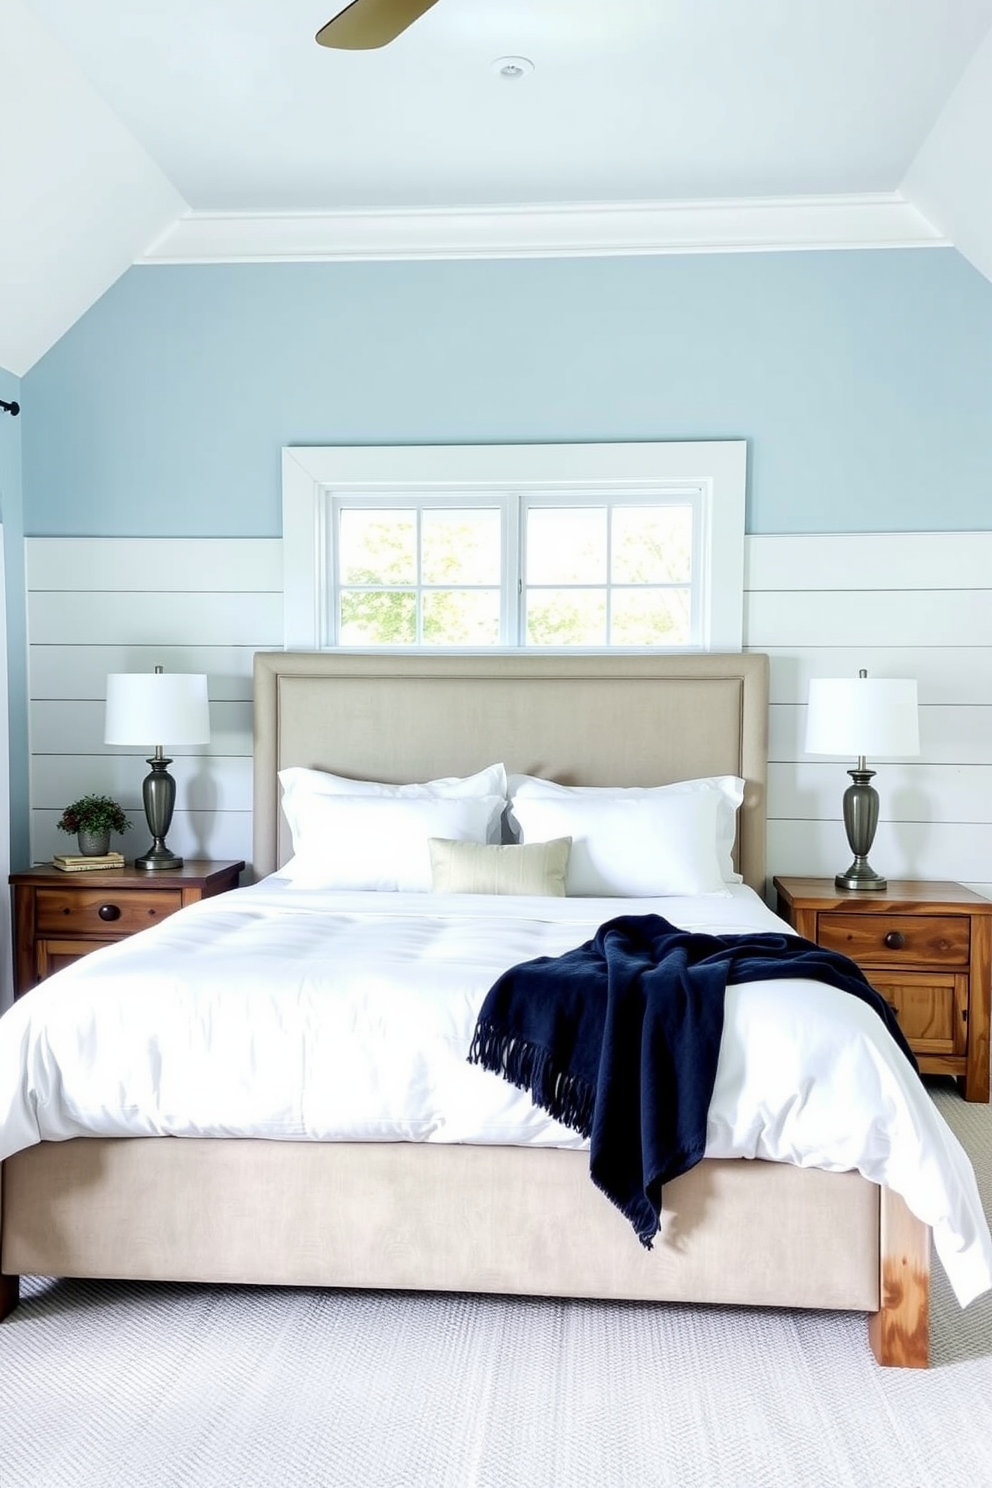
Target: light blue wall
(861,380)
(11,514)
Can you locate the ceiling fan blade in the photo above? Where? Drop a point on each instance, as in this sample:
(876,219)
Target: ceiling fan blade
(365,24)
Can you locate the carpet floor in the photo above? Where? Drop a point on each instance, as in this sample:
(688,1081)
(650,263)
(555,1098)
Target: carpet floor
(123,1385)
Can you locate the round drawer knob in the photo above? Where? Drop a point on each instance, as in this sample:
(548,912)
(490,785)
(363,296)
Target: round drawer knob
(109,912)
(895,940)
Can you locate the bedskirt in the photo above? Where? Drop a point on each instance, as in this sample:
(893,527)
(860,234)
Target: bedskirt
(430,1217)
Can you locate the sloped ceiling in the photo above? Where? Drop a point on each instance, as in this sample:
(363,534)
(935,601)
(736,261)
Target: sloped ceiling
(79,197)
(177,131)
(950,180)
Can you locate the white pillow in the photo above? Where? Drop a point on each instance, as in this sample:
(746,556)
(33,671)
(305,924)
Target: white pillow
(634,845)
(378,842)
(301,786)
(729,791)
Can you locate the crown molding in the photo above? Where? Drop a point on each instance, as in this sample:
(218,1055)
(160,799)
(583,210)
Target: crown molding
(580,229)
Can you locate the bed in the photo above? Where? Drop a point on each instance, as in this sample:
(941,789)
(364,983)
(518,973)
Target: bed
(467,1215)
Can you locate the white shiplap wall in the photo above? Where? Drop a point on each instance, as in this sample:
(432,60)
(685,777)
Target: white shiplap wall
(901,605)
(913,605)
(99,605)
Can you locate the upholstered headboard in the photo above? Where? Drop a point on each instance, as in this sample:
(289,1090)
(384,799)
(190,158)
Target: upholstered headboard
(581,720)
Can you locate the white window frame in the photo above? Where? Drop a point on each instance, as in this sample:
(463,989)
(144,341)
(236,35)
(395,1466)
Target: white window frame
(314,474)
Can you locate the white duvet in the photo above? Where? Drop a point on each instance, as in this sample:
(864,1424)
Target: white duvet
(280,1013)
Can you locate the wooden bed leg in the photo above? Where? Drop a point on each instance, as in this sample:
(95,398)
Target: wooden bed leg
(10,1291)
(10,1286)
(899,1333)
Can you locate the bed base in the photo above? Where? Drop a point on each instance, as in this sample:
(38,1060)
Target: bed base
(479,1219)
(411,1216)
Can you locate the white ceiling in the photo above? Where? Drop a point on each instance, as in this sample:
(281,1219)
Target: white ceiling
(669,107)
(629,99)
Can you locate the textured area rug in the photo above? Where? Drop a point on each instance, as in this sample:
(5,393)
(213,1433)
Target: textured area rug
(118,1385)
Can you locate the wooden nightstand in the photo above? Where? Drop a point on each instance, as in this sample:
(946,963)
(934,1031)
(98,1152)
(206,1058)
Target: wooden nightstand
(59,917)
(927,947)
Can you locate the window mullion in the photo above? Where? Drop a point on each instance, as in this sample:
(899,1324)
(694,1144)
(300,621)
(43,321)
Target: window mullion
(511,568)
(419,575)
(609,572)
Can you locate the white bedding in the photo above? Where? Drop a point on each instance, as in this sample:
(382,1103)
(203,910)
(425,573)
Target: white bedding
(281,1013)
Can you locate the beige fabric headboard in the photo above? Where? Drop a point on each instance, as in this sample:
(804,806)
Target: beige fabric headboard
(582,720)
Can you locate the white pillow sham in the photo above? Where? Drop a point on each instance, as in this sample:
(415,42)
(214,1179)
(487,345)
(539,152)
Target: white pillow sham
(728,789)
(301,786)
(380,843)
(633,845)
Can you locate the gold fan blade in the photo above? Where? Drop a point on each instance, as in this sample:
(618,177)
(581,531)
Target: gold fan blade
(365,24)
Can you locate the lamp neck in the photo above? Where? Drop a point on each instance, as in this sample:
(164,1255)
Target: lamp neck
(862,766)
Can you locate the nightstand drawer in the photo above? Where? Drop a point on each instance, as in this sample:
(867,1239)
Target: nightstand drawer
(897,940)
(98,911)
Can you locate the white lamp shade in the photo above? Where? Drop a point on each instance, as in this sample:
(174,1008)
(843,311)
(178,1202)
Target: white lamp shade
(861,716)
(153,708)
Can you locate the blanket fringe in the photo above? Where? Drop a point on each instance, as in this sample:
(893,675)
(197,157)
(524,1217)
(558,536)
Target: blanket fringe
(638,1213)
(532,1067)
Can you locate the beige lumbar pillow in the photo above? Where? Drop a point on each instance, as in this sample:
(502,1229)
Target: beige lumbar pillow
(484,868)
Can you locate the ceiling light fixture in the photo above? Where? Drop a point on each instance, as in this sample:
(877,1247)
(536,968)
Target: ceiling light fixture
(512,68)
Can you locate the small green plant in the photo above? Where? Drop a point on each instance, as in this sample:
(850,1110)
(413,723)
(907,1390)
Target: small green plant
(93,814)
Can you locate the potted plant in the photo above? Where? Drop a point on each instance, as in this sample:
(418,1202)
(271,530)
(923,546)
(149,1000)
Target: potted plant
(92,819)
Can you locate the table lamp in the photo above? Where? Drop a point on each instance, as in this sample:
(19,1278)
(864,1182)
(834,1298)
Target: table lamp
(145,706)
(860,716)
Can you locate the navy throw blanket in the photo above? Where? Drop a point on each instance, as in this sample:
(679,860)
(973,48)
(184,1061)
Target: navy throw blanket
(619,1039)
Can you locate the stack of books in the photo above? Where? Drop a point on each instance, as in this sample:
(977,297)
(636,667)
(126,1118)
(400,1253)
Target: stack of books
(78,863)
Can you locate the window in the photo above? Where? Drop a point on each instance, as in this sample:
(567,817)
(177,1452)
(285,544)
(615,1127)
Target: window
(611,571)
(426,571)
(538,546)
